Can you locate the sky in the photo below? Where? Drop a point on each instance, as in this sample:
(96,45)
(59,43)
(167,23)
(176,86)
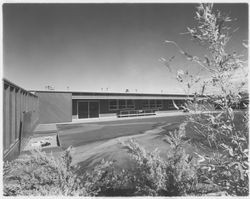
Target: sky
(103,47)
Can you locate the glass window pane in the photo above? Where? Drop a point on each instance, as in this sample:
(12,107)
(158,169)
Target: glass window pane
(113,104)
(130,104)
(152,103)
(145,104)
(122,104)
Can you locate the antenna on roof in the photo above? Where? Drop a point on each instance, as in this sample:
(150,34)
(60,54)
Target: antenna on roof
(50,88)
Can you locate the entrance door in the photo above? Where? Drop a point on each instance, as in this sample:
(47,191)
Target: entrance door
(83,110)
(88,109)
(93,109)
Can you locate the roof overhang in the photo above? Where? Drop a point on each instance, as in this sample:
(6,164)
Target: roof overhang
(131,97)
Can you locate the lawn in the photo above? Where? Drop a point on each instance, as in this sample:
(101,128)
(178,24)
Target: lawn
(93,142)
(96,141)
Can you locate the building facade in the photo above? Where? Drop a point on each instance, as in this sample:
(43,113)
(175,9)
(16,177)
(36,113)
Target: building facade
(55,106)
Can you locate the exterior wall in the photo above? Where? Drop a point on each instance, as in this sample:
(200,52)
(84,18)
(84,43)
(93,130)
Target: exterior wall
(15,128)
(104,107)
(139,105)
(54,107)
(74,109)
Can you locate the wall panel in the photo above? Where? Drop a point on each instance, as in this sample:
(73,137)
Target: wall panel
(15,102)
(54,107)
(13,115)
(6,136)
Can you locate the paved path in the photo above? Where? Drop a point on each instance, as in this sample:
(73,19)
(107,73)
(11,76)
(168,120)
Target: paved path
(45,129)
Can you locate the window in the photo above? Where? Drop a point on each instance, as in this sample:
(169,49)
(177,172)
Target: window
(113,104)
(170,105)
(122,104)
(130,104)
(159,104)
(74,107)
(152,103)
(145,104)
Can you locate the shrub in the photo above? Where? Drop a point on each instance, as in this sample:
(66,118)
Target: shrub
(173,176)
(41,174)
(228,167)
(150,175)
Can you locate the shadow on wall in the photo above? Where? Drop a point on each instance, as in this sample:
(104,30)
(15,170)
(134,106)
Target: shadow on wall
(30,121)
(27,126)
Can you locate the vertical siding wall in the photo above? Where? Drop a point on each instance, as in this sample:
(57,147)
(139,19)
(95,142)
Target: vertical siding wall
(18,105)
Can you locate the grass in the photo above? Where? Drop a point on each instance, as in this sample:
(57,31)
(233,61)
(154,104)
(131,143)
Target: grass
(96,141)
(150,134)
(77,135)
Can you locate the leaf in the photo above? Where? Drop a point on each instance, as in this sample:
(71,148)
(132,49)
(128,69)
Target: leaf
(197,79)
(198,15)
(203,88)
(231,113)
(188,56)
(202,158)
(245,45)
(192,31)
(230,151)
(207,61)
(167,41)
(175,105)
(180,72)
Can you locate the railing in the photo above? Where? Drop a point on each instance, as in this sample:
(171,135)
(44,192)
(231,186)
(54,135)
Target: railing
(134,113)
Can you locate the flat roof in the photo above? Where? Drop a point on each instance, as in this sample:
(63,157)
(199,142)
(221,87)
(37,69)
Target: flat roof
(108,93)
(9,83)
(112,95)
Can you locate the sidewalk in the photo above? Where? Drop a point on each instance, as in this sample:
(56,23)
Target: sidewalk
(93,120)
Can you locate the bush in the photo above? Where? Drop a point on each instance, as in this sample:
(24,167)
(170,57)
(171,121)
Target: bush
(40,174)
(174,176)
(228,167)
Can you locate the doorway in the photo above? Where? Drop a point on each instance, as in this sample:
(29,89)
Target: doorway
(88,109)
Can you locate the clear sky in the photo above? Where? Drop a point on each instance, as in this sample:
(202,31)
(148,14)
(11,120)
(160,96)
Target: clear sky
(87,47)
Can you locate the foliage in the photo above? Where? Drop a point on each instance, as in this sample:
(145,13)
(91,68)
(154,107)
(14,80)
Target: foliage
(173,176)
(40,174)
(150,170)
(228,167)
(225,172)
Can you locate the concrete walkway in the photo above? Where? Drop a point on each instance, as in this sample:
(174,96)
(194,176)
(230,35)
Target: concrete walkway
(103,119)
(45,128)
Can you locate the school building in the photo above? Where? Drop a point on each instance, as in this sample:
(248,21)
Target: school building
(23,110)
(57,107)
